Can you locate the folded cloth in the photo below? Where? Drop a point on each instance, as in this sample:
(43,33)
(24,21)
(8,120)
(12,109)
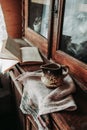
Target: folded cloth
(38,100)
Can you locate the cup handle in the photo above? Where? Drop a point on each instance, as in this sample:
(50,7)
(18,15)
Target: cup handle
(65,70)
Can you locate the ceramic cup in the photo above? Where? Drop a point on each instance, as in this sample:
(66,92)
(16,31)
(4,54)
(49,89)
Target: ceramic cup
(53,74)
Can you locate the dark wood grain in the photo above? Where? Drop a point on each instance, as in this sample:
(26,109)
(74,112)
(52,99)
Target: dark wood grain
(63,120)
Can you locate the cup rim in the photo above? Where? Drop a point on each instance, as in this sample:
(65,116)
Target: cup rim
(49,66)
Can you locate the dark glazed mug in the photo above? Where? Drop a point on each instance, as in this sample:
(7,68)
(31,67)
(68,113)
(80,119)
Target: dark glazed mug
(53,74)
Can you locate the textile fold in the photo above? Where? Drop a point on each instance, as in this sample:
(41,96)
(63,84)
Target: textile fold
(39,101)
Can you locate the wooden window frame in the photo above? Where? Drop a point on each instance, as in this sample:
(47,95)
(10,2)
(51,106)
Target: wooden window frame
(77,68)
(42,43)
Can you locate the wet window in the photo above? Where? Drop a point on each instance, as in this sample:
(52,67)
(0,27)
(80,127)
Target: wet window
(74,30)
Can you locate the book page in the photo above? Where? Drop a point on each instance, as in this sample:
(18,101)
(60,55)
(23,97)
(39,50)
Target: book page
(13,47)
(1,44)
(5,54)
(31,54)
(5,64)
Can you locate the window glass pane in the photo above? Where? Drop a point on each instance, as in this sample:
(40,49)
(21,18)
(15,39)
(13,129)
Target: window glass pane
(39,16)
(74,32)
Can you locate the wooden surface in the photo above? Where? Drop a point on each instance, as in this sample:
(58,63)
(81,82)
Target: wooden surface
(64,120)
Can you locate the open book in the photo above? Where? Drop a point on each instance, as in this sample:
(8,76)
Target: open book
(6,64)
(11,50)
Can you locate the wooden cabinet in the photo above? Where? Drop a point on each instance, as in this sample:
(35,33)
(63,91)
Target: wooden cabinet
(26,122)
(17,93)
(63,120)
(30,123)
